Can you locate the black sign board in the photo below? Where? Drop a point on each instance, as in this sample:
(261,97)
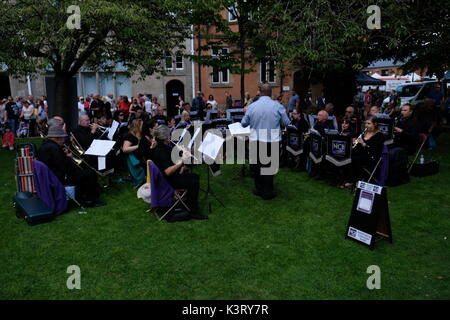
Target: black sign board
(369,219)
(339,149)
(386,127)
(294,143)
(316,152)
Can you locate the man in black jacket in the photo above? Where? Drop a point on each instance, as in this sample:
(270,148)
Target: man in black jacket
(406,131)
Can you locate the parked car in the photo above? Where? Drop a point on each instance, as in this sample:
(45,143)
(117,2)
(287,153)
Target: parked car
(414,93)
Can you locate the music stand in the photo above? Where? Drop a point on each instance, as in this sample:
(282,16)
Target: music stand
(210,149)
(235,114)
(339,149)
(238,132)
(386,126)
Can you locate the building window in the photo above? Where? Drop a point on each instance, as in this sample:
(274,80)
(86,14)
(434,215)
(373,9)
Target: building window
(169,61)
(179,62)
(220,75)
(232,17)
(267,71)
(385,72)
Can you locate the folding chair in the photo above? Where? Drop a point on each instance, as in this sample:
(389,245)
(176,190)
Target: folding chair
(162,194)
(422,138)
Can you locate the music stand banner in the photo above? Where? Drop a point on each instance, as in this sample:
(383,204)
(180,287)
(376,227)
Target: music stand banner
(339,150)
(316,153)
(386,126)
(294,141)
(369,217)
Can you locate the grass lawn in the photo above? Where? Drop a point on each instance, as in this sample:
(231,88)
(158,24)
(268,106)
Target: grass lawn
(292,247)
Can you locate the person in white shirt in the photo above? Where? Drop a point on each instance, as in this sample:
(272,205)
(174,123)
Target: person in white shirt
(213,102)
(81,107)
(148,105)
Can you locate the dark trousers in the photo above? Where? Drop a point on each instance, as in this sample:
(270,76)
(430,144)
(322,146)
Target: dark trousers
(86,182)
(190,182)
(263,183)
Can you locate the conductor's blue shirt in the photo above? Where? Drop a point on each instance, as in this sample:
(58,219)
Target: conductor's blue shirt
(265,118)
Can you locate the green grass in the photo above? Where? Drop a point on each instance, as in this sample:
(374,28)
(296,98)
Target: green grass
(292,247)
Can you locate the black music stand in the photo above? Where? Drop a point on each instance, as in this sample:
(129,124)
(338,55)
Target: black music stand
(213,167)
(386,126)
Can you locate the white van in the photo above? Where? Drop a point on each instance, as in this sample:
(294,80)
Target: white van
(414,93)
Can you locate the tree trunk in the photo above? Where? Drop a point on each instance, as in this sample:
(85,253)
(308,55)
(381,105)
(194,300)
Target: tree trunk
(242,76)
(64,100)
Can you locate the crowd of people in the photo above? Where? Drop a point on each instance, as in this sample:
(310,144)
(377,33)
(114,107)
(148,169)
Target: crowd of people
(144,133)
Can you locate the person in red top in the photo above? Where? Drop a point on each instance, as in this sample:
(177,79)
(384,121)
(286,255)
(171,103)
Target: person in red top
(124,106)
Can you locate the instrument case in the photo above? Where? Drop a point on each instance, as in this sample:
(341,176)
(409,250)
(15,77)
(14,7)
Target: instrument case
(31,208)
(425,169)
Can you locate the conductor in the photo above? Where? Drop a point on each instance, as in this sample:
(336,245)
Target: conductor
(265,117)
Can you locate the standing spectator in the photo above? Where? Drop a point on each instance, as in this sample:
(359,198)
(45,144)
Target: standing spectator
(198,104)
(148,105)
(437,95)
(124,106)
(110,99)
(27,114)
(367,102)
(293,101)
(81,110)
(41,117)
(97,107)
(213,102)
(229,100)
(180,104)
(3,111)
(12,114)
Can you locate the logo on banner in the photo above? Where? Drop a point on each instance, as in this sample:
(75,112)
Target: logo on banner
(384,128)
(338,148)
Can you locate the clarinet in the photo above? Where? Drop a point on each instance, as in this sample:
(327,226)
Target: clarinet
(360,136)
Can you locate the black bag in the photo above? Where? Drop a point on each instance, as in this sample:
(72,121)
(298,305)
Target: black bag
(31,208)
(425,169)
(178,214)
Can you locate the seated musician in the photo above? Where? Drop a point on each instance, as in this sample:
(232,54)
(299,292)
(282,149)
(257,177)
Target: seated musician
(347,128)
(185,120)
(132,139)
(366,153)
(58,159)
(160,115)
(148,142)
(173,172)
(373,110)
(354,120)
(299,121)
(322,123)
(85,133)
(406,131)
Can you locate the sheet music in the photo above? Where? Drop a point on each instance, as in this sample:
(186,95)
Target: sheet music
(101,163)
(100,147)
(113,129)
(237,129)
(211,145)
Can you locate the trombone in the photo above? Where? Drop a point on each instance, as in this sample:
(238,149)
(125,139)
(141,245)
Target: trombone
(77,153)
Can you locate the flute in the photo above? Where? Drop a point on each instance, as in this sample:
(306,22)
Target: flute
(360,136)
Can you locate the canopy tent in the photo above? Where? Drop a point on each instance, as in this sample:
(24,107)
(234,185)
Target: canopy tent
(363,79)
